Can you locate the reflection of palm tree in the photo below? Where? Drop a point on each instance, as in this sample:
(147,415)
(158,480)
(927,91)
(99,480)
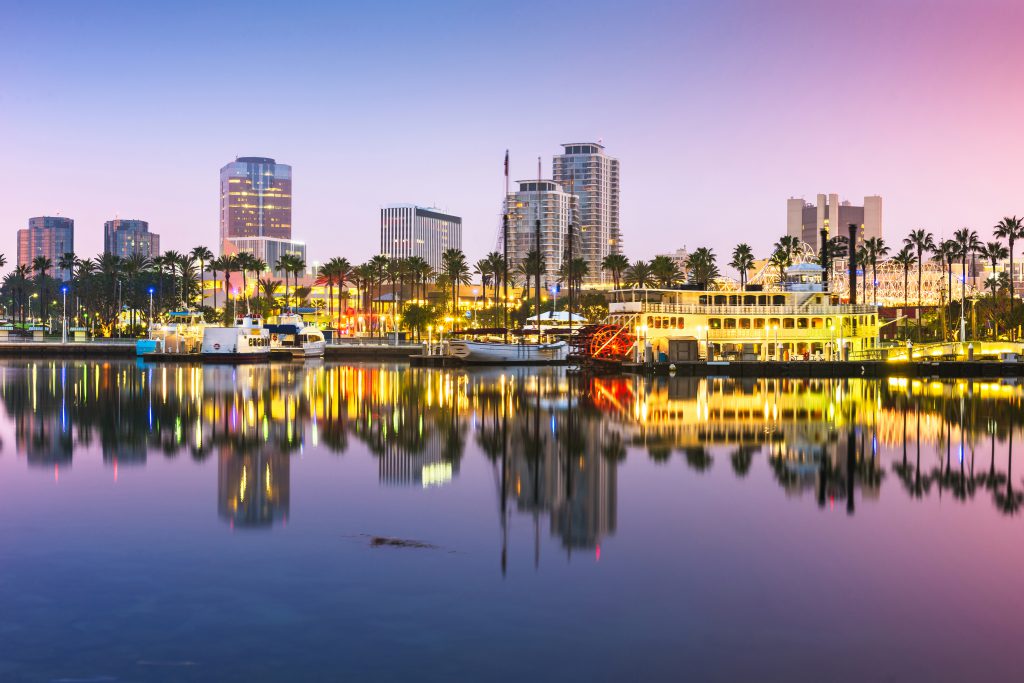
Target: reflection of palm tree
(698,458)
(1007,500)
(742,458)
(612,448)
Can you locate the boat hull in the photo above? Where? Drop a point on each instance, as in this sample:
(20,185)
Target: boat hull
(486,353)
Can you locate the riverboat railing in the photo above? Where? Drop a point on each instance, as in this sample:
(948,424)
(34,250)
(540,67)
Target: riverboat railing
(792,310)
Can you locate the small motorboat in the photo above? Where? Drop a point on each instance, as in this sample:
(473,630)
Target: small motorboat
(497,353)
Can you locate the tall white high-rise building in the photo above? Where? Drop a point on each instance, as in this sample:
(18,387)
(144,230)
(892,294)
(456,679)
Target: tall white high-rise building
(409,230)
(547,201)
(584,170)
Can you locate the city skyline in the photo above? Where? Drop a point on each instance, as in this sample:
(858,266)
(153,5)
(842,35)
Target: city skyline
(713,109)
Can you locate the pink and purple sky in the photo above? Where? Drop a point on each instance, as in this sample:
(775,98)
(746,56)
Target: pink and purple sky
(718,111)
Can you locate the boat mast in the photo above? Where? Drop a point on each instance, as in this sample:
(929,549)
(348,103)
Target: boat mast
(540,260)
(504,241)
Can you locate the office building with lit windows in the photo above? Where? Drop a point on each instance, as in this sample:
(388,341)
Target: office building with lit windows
(806,221)
(584,170)
(49,236)
(546,201)
(126,237)
(255,200)
(409,230)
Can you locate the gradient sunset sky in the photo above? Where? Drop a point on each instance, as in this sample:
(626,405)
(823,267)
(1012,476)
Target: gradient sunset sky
(718,111)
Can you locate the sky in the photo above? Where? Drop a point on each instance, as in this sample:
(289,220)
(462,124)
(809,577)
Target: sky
(718,112)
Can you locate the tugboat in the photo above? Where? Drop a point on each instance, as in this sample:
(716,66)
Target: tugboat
(248,341)
(291,337)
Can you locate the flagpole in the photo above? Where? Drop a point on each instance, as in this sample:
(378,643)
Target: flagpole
(504,228)
(540,260)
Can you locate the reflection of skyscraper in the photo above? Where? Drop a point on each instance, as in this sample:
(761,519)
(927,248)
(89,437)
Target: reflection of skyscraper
(587,513)
(253,488)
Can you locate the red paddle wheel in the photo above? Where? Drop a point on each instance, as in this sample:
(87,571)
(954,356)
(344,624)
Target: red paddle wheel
(602,345)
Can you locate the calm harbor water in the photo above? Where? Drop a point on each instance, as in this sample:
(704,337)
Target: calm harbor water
(331,522)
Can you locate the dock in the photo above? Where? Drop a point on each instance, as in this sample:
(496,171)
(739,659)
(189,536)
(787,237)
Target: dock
(106,348)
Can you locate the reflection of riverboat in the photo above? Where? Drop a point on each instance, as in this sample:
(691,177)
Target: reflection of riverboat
(293,338)
(247,341)
(493,353)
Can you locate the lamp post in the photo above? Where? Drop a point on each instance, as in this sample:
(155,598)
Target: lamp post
(64,317)
(150,312)
(778,356)
(700,330)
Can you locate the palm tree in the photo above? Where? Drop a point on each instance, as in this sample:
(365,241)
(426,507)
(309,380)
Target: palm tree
(41,265)
(364,274)
(616,264)
(484,270)
(665,271)
(229,264)
(456,271)
(639,275)
(65,264)
(496,263)
(703,267)
(993,252)
(968,244)
(216,266)
(246,262)
(742,261)
(1010,229)
(780,260)
(874,249)
(204,256)
(905,259)
(920,241)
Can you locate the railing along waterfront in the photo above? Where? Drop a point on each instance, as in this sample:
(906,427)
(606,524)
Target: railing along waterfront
(694,309)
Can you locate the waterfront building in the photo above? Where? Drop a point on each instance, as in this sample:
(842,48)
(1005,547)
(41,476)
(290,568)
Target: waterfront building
(584,170)
(546,201)
(409,230)
(800,320)
(268,249)
(125,237)
(806,220)
(49,236)
(255,200)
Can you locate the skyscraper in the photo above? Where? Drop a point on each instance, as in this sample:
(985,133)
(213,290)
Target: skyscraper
(584,170)
(255,200)
(127,236)
(547,201)
(408,230)
(805,220)
(49,236)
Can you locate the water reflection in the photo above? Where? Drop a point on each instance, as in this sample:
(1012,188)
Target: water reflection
(554,441)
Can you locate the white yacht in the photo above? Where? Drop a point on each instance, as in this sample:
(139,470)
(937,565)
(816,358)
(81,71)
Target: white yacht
(496,353)
(293,337)
(247,341)
(182,333)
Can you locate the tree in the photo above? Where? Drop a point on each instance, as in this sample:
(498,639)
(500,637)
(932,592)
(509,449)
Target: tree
(702,266)
(874,249)
(204,256)
(616,264)
(216,266)
(246,262)
(665,271)
(639,275)
(41,265)
(65,264)
(905,258)
(968,244)
(994,252)
(780,261)
(456,272)
(742,261)
(1010,229)
(484,269)
(496,263)
(920,241)
(228,265)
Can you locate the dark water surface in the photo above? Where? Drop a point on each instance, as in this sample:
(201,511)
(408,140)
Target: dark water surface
(336,522)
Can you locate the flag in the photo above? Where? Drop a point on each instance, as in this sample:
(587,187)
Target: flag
(506,163)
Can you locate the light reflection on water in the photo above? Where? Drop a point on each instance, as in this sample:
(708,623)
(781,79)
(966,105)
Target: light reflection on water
(507,473)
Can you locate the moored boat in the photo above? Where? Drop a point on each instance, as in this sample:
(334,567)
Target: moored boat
(292,337)
(247,341)
(496,353)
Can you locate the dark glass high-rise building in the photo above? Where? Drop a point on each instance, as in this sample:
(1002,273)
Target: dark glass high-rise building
(49,236)
(255,200)
(127,236)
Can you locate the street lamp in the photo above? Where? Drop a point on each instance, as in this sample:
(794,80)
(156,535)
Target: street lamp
(151,312)
(64,322)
